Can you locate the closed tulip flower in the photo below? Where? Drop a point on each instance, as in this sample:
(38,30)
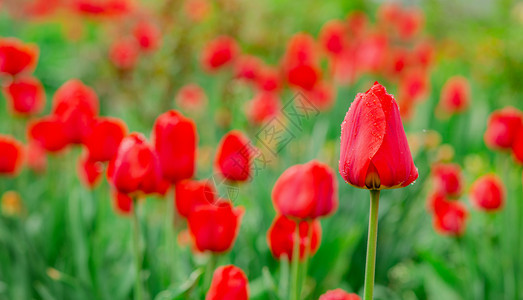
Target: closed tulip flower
(228,283)
(282,235)
(247,67)
(214,227)
(234,156)
(374,149)
(175,140)
(104,138)
(517,146)
(268,79)
(448,179)
(17,57)
(300,62)
(123,203)
(488,193)
(306,191)
(49,133)
(263,107)
(124,53)
(147,35)
(339,294)
(89,171)
(11,155)
(455,95)
(191,194)
(333,37)
(25,96)
(502,128)
(451,219)
(192,98)
(219,53)
(76,106)
(135,167)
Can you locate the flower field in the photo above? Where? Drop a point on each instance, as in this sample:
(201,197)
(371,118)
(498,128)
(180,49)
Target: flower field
(233,149)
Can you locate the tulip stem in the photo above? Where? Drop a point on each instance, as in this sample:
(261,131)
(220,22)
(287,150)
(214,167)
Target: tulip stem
(295,264)
(371,245)
(211,265)
(137,252)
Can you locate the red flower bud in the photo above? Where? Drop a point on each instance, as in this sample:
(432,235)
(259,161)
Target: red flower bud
(175,140)
(219,52)
(488,193)
(11,155)
(76,106)
(124,53)
(357,23)
(339,294)
(303,76)
(234,156)
(447,179)
(451,219)
(322,95)
(191,194)
(268,79)
(191,97)
(123,203)
(263,107)
(333,37)
(104,138)
(17,57)
(247,67)
(214,227)
(135,167)
(374,149)
(281,237)
(89,170)
(48,133)
(455,95)
(300,62)
(147,35)
(410,23)
(25,95)
(502,128)
(414,85)
(306,191)
(228,283)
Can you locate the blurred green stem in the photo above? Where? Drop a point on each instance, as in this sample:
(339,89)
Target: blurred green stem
(308,247)
(295,265)
(211,265)
(371,245)
(137,252)
(170,236)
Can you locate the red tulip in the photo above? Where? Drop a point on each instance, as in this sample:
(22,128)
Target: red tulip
(389,14)
(424,53)
(196,10)
(488,193)
(234,156)
(306,191)
(436,201)
(17,57)
(263,107)
(372,52)
(247,67)
(322,96)
(374,149)
(447,179)
(333,37)
(300,62)
(124,53)
(76,106)
(502,128)
(191,97)
(517,146)
(219,52)
(339,294)
(410,23)
(214,227)
(268,79)
(414,84)
(104,138)
(397,61)
(282,234)
(228,283)
(123,203)
(147,35)
(36,158)
(135,167)
(11,155)
(357,23)
(48,133)
(109,8)
(303,76)
(455,95)
(89,171)
(191,194)
(25,95)
(451,219)
(175,140)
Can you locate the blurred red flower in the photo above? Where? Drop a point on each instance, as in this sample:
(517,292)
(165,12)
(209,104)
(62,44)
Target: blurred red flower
(11,155)
(36,157)
(448,179)
(357,24)
(108,8)
(197,10)
(175,140)
(374,149)
(333,37)
(306,191)
(451,219)
(300,62)
(104,137)
(228,283)
(410,23)
(488,193)
(455,95)
(282,233)
(191,194)
(16,56)
(247,67)
(268,79)
(219,52)
(25,95)
(414,85)
(214,227)
(502,128)
(263,107)
(147,35)
(123,203)
(48,133)
(124,53)
(76,106)
(89,171)
(192,98)
(322,96)
(234,156)
(371,52)
(339,294)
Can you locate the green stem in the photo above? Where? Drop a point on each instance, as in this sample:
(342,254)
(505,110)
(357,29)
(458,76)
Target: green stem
(308,247)
(137,252)
(295,265)
(211,265)
(170,235)
(371,245)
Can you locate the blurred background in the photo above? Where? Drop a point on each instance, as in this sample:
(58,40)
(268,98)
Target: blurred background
(226,65)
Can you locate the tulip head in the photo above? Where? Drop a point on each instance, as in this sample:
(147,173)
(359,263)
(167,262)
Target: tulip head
(448,179)
(103,139)
(234,157)
(219,52)
(17,57)
(191,194)
(488,193)
(503,127)
(11,155)
(49,133)
(450,219)
(374,149)
(282,236)
(25,95)
(228,283)
(339,294)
